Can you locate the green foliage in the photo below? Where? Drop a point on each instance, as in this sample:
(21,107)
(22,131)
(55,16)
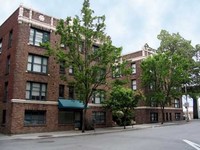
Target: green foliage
(164,73)
(87,49)
(123,100)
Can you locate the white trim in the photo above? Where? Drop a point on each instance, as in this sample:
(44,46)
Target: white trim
(23,101)
(35,22)
(136,59)
(166,108)
(95,105)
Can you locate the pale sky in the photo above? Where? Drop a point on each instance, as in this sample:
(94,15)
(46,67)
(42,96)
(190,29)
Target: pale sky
(130,23)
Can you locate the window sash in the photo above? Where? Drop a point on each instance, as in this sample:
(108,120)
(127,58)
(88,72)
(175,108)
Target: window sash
(71,70)
(34,117)
(116,72)
(36,91)
(98,96)
(71,92)
(133,68)
(37,64)
(1,45)
(177,103)
(38,36)
(61,91)
(99,117)
(62,67)
(134,85)
(65,117)
(154,117)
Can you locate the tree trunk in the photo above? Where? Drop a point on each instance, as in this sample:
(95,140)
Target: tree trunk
(84,120)
(124,121)
(163,114)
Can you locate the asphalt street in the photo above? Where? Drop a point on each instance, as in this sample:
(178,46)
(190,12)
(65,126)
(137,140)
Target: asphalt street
(174,137)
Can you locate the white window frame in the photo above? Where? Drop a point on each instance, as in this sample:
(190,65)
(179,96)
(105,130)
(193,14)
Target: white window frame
(38,36)
(1,45)
(133,68)
(134,84)
(37,64)
(36,91)
(98,96)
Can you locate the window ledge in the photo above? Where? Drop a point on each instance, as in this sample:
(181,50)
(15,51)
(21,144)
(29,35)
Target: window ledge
(39,73)
(36,125)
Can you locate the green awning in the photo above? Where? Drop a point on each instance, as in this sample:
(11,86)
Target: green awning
(75,104)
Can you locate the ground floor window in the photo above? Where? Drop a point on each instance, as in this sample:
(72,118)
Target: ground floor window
(99,117)
(177,116)
(3,122)
(154,117)
(65,117)
(35,117)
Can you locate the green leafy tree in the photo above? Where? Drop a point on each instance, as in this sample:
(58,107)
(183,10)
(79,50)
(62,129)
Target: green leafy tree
(90,53)
(165,73)
(193,88)
(123,101)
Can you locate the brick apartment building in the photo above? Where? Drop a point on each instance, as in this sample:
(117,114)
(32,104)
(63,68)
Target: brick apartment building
(149,112)
(33,98)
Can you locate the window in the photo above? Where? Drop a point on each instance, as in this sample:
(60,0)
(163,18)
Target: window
(71,70)
(8,65)
(1,45)
(38,36)
(177,116)
(3,121)
(99,117)
(177,103)
(10,39)
(153,103)
(71,92)
(133,84)
(6,92)
(65,117)
(35,117)
(36,91)
(101,73)
(80,48)
(133,68)
(62,67)
(61,91)
(95,48)
(154,117)
(116,73)
(98,96)
(167,117)
(37,64)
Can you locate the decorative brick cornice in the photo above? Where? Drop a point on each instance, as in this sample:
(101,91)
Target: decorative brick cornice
(30,20)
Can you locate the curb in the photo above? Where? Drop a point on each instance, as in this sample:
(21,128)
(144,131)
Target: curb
(93,132)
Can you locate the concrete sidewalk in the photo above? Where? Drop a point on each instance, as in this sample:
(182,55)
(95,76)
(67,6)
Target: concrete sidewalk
(45,135)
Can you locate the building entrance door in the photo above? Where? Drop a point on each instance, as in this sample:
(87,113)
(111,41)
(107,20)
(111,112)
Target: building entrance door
(77,120)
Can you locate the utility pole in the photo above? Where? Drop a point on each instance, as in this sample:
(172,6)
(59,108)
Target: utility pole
(186,104)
